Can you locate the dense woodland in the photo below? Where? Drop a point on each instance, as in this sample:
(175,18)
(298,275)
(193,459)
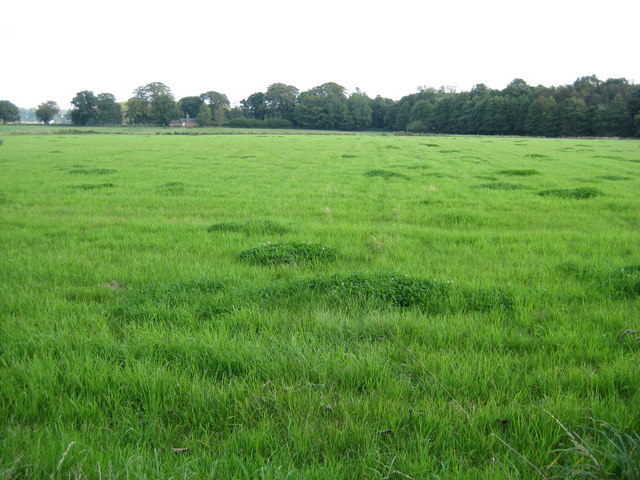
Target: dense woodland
(588,107)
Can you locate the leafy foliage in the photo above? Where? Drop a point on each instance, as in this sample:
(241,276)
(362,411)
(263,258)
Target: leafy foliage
(8,112)
(47,110)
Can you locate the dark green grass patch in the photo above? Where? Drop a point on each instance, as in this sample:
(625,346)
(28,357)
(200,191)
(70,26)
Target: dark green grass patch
(384,289)
(385,174)
(504,186)
(610,157)
(520,172)
(172,188)
(392,147)
(429,144)
(349,156)
(168,301)
(449,151)
(92,171)
(537,155)
(617,282)
(439,175)
(613,178)
(250,227)
(579,193)
(93,186)
(288,253)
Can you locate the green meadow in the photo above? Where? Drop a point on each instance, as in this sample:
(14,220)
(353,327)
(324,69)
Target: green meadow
(273,306)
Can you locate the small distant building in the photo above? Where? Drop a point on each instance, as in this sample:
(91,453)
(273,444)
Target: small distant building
(184,122)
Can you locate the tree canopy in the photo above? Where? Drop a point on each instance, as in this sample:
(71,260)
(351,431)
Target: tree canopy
(8,112)
(46,111)
(587,107)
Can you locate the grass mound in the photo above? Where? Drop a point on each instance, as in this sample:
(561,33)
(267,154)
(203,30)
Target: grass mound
(577,193)
(288,253)
(167,301)
(92,171)
(93,186)
(617,282)
(385,289)
(537,155)
(384,174)
(520,172)
(503,186)
(250,227)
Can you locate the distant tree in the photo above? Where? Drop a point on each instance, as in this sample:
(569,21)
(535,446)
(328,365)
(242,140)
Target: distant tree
(46,111)
(574,117)
(614,119)
(8,112)
(359,110)
(204,115)
(402,117)
(190,106)
(324,107)
(215,99)
(219,115)
(419,117)
(85,108)
(109,112)
(140,108)
(151,91)
(542,118)
(494,121)
(379,108)
(164,109)
(280,100)
(255,106)
(138,111)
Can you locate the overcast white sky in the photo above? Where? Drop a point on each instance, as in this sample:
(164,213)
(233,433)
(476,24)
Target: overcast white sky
(53,49)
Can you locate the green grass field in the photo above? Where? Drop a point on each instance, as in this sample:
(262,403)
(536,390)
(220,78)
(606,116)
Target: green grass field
(305,306)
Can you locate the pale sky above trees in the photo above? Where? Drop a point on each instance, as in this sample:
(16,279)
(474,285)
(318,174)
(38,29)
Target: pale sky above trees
(52,50)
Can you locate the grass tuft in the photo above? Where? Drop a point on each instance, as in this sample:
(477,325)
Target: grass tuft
(250,227)
(173,188)
(613,178)
(579,193)
(520,172)
(601,451)
(385,289)
(618,282)
(384,174)
(167,301)
(93,186)
(288,253)
(92,171)
(504,186)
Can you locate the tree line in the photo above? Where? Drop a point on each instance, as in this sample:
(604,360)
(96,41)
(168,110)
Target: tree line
(588,107)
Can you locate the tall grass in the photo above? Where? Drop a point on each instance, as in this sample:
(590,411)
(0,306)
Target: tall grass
(428,339)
